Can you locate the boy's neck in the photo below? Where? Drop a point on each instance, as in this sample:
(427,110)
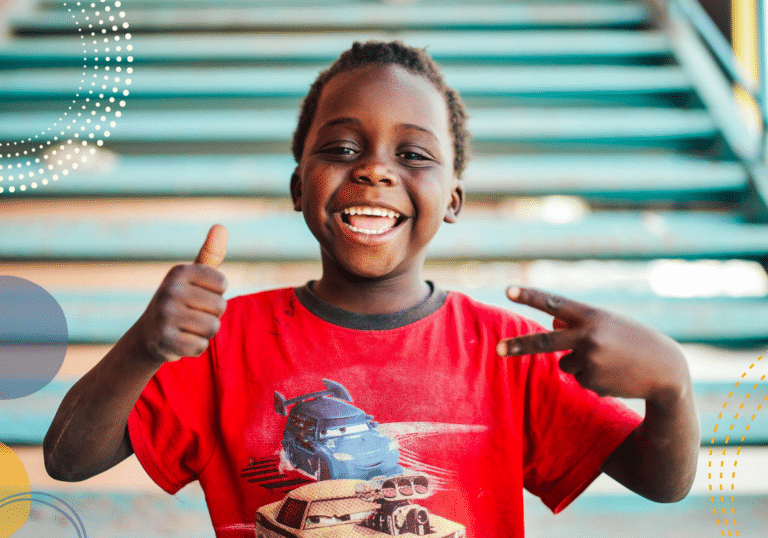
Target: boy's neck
(371,296)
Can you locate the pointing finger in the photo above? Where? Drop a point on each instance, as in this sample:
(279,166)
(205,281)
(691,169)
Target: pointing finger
(565,310)
(545,342)
(215,247)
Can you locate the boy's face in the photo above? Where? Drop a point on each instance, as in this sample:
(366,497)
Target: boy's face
(376,177)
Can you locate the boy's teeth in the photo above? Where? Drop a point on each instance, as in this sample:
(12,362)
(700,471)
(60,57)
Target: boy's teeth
(370,220)
(373,211)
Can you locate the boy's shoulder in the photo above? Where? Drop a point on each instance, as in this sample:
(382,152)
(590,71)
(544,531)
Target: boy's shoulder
(475,311)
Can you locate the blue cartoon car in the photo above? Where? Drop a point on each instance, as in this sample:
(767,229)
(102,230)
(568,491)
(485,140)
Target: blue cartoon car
(329,438)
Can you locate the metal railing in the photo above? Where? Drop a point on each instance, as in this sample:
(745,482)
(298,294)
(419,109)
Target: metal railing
(726,57)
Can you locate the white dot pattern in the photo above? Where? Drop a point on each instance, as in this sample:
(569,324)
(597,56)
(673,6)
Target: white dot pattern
(54,152)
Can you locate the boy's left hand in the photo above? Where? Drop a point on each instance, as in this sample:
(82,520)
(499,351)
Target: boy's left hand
(610,355)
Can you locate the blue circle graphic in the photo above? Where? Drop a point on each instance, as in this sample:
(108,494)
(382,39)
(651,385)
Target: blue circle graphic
(33,337)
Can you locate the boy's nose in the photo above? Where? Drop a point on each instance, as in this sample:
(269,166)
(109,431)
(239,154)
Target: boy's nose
(375,173)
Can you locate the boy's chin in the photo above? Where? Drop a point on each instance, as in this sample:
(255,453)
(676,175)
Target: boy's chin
(367,270)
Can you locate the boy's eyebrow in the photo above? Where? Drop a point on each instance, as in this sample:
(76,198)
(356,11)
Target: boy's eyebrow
(349,120)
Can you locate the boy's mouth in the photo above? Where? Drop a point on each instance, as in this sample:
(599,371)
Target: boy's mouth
(371,220)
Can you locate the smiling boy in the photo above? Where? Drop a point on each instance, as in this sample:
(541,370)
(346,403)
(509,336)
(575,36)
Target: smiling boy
(192,388)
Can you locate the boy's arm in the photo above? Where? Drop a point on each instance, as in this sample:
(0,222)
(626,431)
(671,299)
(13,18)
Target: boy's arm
(615,356)
(89,433)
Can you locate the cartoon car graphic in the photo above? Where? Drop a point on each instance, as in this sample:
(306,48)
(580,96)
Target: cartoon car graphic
(351,508)
(329,438)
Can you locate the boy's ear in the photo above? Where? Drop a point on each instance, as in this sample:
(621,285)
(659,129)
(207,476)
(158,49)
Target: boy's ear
(296,190)
(455,203)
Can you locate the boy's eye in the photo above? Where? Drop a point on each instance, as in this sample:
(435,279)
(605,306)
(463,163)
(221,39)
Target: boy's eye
(339,150)
(414,156)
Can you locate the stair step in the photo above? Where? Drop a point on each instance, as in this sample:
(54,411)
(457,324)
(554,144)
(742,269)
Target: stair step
(445,47)
(637,176)
(160,83)
(101,314)
(497,125)
(93,229)
(355,17)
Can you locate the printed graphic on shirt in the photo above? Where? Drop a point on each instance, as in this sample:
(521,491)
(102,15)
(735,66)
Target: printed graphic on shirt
(328,438)
(345,474)
(349,508)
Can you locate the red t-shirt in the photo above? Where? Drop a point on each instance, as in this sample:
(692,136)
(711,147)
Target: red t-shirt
(479,427)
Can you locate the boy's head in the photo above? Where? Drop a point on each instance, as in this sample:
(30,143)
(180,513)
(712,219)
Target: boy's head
(394,53)
(380,145)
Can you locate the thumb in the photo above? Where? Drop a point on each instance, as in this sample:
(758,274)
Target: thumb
(215,247)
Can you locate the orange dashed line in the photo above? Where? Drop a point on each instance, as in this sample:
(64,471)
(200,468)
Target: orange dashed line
(744,375)
(751,366)
(738,451)
(720,416)
(752,417)
(716,428)
(735,416)
(727,439)
(753,388)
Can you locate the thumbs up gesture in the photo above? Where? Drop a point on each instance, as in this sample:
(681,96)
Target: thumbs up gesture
(185,311)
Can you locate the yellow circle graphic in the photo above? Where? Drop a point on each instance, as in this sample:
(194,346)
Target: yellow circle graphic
(15,492)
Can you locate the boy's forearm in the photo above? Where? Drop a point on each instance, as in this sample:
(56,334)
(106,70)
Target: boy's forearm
(88,433)
(658,460)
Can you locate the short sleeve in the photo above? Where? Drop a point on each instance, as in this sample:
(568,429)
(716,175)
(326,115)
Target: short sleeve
(172,424)
(570,432)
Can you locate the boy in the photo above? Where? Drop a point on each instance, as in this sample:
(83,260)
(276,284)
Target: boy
(380,146)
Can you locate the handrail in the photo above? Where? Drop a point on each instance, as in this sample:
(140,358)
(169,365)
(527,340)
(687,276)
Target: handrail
(717,43)
(724,53)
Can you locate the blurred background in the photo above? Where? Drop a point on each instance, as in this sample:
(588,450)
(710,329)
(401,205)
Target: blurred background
(619,159)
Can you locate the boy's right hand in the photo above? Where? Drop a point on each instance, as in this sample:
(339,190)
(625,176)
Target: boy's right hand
(185,311)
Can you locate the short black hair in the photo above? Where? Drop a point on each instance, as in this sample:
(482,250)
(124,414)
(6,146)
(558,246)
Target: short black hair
(413,59)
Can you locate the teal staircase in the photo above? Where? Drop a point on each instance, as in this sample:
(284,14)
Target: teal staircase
(610,164)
